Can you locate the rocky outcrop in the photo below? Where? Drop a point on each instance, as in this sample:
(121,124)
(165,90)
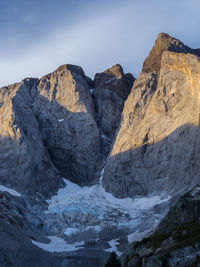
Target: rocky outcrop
(156,150)
(111,89)
(65,111)
(17,250)
(48,131)
(175,241)
(24,161)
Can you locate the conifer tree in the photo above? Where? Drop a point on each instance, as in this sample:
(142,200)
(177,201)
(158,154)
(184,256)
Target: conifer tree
(113,261)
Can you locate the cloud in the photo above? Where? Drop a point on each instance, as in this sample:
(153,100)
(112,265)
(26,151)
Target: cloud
(123,33)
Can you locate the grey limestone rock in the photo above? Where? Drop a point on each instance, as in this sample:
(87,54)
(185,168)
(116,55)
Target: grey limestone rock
(65,111)
(111,89)
(24,161)
(16,249)
(156,150)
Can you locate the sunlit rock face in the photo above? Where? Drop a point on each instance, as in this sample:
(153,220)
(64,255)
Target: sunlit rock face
(65,111)
(24,161)
(111,89)
(157,148)
(47,131)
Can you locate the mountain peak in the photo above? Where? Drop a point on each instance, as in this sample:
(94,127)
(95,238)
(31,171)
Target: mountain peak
(164,42)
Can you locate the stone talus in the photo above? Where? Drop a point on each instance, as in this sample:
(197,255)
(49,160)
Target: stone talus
(156,150)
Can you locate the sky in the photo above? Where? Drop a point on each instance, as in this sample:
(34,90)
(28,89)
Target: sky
(37,36)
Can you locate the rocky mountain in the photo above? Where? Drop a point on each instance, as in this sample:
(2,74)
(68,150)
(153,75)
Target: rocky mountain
(129,151)
(50,128)
(25,163)
(111,89)
(65,112)
(156,150)
(175,242)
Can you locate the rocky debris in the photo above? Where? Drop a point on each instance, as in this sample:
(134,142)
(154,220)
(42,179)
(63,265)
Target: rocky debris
(18,212)
(111,89)
(17,250)
(156,150)
(24,161)
(175,241)
(65,112)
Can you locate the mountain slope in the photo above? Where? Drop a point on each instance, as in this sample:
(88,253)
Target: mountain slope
(156,150)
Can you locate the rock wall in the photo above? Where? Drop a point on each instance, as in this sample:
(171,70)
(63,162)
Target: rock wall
(24,161)
(65,112)
(156,150)
(111,89)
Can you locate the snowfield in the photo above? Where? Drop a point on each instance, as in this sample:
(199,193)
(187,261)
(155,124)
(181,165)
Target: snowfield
(90,211)
(113,247)
(73,197)
(85,207)
(58,244)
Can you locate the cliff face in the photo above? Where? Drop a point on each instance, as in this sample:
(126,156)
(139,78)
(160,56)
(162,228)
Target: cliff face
(65,125)
(65,111)
(111,89)
(54,127)
(24,161)
(175,241)
(156,150)
(58,127)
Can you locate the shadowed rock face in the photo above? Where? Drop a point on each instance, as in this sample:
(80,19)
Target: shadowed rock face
(157,146)
(65,111)
(48,130)
(111,89)
(17,250)
(24,161)
(175,241)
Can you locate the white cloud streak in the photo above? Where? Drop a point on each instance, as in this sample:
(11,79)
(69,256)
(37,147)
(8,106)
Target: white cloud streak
(122,34)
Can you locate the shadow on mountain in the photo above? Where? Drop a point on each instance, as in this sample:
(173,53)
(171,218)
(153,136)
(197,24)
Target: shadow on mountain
(16,249)
(166,167)
(45,142)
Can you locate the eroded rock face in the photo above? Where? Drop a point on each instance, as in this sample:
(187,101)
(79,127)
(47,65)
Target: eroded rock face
(24,161)
(111,88)
(175,241)
(16,249)
(157,147)
(48,131)
(65,112)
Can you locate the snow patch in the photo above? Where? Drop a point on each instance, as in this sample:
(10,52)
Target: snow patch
(113,247)
(71,231)
(9,190)
(96,194)
(92,209)
(195,191)
(64,194)
(101,177)
(58,244)
(138,236)
(96,228)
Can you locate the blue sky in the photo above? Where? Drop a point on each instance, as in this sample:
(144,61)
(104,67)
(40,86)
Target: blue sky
(38,36)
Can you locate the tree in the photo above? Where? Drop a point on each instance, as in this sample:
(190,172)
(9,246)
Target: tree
(113,261)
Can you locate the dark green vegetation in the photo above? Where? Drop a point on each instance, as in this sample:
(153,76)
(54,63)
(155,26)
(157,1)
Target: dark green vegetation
(113,261)
(176,241)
